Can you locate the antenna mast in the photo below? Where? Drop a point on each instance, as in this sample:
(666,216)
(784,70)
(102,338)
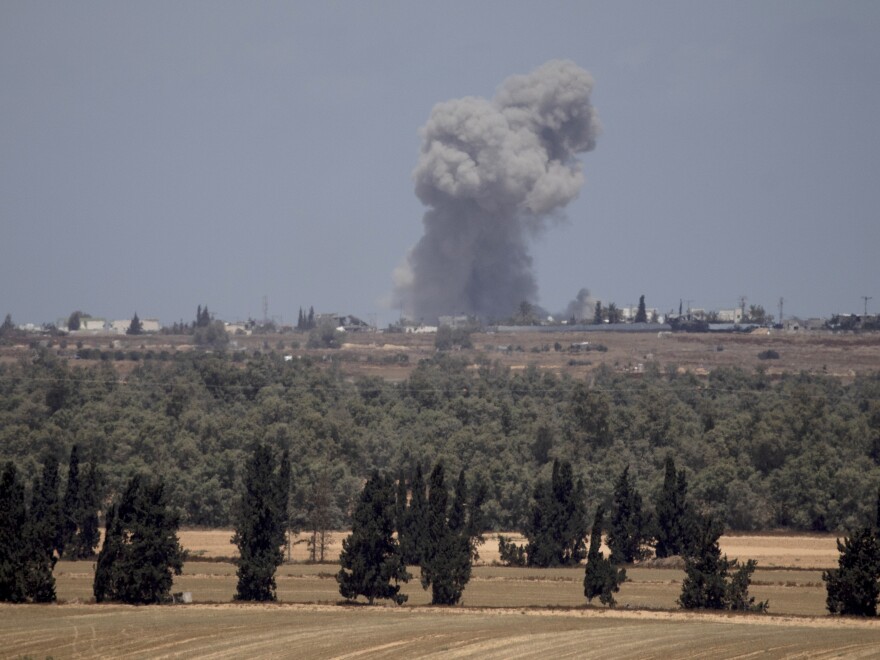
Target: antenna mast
(866,299)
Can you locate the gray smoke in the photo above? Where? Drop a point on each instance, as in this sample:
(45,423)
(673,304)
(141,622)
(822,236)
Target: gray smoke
(494,174)
(583,307)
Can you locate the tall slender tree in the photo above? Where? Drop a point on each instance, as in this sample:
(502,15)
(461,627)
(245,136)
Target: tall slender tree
(71,504)
(628,525)
(141,552)
(260,526)
(673,518)
(601,577)
(446,560)
(641,313)
(558,524)
(414,531)
(88,534)
(708,582)
(42,534)
(371,562)
(13,517)
(854,586)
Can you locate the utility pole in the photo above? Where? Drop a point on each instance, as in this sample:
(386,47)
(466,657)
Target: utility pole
(781,300)
(866,299)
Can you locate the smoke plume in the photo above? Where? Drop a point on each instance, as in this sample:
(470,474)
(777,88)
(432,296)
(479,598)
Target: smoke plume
(494,174)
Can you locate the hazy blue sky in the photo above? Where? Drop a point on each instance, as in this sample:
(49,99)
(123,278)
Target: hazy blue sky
(155,156)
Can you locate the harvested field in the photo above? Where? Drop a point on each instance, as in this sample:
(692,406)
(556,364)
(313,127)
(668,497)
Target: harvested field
(506,612)
(771,551)
(796,593)
(314,631)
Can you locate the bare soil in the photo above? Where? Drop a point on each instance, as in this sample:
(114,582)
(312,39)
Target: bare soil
(393,355)
(816,551)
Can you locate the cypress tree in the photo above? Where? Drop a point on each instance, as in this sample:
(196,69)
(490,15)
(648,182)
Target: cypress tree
(401,504)
(43,535)
(135,327)
(641,314)
(476,522)
(415,522)
(627,522)
(601,578)
(371,560)
(260,528)
(13,517)
(705,570)
(141,552)
(852,588)
(446,563)
(674,524)
(558,524)
(88,535)
(708,582)
(71,504)
(103,586)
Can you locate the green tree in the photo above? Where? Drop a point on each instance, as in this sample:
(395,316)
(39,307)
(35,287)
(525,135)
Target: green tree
(8,326)
(135,327)
(74,321)
(322,511)
(414,530)
(13,518)
(628,525)
(852,588)
(601,577)
(71,502)
(141,552)
(598,314)
(672,513)
(558,524)
(88,534)
(613,313)
(371,563)
(42,534)
(80,534)
(446,561)
(708,582)
(641,314)
(261,525)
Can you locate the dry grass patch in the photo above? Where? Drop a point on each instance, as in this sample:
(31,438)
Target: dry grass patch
(308,631)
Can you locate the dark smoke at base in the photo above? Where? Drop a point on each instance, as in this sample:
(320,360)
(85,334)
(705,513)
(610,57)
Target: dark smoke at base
(494,174)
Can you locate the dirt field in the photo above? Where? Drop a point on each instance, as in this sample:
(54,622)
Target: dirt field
(770,551)
(506,612)
(377,354)
(314,631)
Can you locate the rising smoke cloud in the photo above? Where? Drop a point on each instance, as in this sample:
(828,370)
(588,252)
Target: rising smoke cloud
(494,174)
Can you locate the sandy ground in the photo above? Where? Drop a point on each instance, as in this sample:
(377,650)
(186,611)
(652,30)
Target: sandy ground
(770,551)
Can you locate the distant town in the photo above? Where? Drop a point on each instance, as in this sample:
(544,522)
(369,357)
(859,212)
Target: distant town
(528,317)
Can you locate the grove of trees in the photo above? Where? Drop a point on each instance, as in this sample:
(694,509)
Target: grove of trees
(798,452)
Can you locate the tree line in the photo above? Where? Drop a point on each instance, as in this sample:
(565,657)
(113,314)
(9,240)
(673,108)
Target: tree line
(396,524)
(797,452)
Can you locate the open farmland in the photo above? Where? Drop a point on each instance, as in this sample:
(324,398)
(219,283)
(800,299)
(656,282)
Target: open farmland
(799,551)
(316,631)
(790,592)
(393,355)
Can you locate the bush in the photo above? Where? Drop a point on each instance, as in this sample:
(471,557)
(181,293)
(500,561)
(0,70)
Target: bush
(511,553)
(769,354)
